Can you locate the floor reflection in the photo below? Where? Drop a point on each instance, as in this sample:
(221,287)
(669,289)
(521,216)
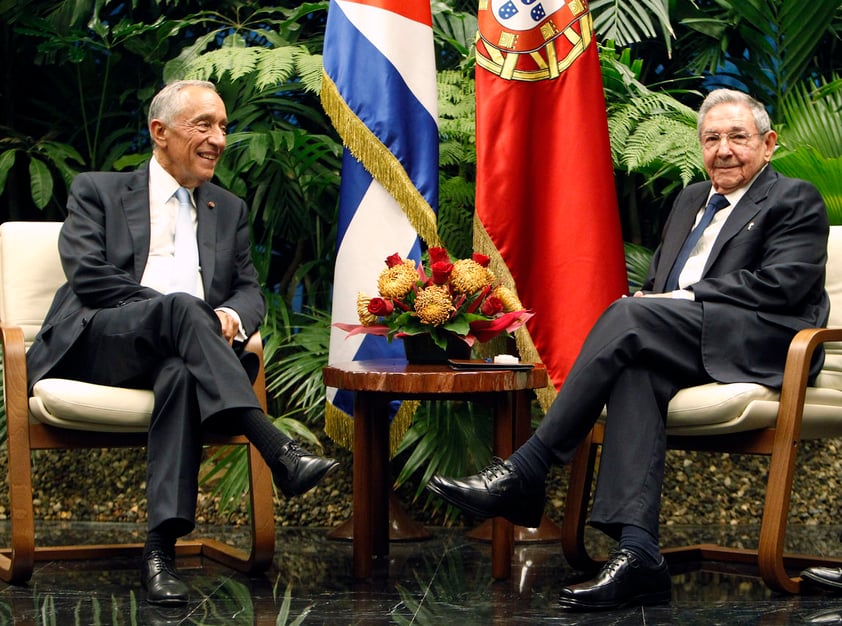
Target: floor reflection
(444,580)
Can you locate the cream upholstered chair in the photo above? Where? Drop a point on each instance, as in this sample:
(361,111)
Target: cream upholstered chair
(66,414)
(748,419)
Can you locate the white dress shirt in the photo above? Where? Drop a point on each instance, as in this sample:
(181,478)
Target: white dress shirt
(163,208)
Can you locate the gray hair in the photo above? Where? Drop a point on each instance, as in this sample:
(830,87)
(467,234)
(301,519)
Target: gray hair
(165,104)
(730,96)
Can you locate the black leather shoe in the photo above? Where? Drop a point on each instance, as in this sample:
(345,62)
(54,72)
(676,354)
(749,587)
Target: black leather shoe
(496,490)
(160,579)
(296,471)
(828,578)
(622,581)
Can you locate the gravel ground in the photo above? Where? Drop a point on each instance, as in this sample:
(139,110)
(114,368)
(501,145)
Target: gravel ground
(699,489)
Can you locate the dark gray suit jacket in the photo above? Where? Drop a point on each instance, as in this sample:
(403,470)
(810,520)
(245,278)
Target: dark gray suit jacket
(104,245)
(764,280)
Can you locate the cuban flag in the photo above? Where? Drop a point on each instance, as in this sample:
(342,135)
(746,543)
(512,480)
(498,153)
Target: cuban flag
(379,90)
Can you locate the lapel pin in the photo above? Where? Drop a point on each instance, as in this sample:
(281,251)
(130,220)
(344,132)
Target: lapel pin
(750,226)
(211,205)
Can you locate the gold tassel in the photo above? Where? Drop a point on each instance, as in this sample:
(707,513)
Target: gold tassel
(339,426)
(380,162)
(525,346)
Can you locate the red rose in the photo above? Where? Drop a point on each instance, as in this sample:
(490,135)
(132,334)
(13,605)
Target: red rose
(481,259)
(380,307)
(441,272)
(394,259)
(439,255)
(492,306)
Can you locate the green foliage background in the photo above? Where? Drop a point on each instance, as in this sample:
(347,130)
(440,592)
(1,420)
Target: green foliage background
(78,75)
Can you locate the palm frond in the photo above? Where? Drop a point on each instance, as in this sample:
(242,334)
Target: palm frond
(631,21)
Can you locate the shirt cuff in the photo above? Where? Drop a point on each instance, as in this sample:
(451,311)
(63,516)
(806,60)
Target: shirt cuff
(683,294)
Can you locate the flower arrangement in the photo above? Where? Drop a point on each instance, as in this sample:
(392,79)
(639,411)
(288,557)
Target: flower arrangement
(452,299)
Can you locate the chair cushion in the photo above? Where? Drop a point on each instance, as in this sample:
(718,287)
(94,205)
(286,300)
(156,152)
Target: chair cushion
(714,403)
(718,409)
(30,273)
(84,406)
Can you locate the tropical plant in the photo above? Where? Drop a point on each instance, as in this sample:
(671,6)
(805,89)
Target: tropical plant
(810,139)
(764,47)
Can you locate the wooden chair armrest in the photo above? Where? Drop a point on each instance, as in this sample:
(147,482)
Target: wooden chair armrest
(255,344)
(15,381)
(797,370)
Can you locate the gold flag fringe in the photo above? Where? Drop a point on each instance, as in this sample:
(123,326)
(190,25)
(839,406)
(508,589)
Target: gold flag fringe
(380,162)
(525,346)
(388,171)
(339,426)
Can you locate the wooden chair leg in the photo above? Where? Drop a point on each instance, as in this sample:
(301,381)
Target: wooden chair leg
(16,565)
(576,506)
(262,549)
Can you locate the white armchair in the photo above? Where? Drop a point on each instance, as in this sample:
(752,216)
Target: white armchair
(66,414)
(744,418)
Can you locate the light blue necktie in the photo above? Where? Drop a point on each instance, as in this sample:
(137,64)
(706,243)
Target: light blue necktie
(186,255)
(717,201)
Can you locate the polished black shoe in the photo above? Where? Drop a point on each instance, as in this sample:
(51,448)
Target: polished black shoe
(828,578)
(622,581)
(496,491)
(160,579)
(296,471)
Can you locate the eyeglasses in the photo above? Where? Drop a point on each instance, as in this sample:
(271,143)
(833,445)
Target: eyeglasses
(735,138)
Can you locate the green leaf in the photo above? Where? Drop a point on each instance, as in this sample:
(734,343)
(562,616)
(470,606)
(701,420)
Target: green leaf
(41,182)
(7,161)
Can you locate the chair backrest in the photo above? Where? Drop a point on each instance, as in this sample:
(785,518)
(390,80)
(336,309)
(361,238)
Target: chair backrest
(30,273)
(833,279)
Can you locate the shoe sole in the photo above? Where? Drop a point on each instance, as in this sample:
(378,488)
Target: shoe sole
(319,478)
(527,520)
(648,599)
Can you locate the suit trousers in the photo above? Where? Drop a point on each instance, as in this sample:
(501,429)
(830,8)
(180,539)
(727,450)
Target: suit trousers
(173,345)
(639,353)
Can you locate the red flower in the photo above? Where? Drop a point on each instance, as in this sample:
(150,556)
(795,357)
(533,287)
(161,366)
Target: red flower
(438,254)
(441,272)
(491,306)
(481,259)
(394,259)
(380,306)
(486,330)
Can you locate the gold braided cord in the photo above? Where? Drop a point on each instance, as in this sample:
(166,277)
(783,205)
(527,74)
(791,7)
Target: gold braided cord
(339,426)
(525,346)
(380,162)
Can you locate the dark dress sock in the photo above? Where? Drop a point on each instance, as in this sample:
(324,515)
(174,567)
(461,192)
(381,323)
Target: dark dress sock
(260,431)
(642,543)
(160,539)
(533,461)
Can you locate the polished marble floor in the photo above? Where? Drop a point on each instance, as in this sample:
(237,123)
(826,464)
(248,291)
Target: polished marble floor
(444,580)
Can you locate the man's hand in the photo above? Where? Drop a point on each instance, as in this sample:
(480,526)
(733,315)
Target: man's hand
(640,294)
(230,327)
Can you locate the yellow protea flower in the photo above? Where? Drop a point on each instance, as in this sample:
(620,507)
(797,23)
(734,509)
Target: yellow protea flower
(434,305)
(468,276)
(509,299)
(366,317)
(397,281)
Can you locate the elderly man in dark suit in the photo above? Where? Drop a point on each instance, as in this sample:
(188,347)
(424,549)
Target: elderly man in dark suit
(161,293)
(739,271)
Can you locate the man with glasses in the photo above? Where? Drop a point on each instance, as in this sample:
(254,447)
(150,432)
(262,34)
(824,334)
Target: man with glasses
(738,272)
